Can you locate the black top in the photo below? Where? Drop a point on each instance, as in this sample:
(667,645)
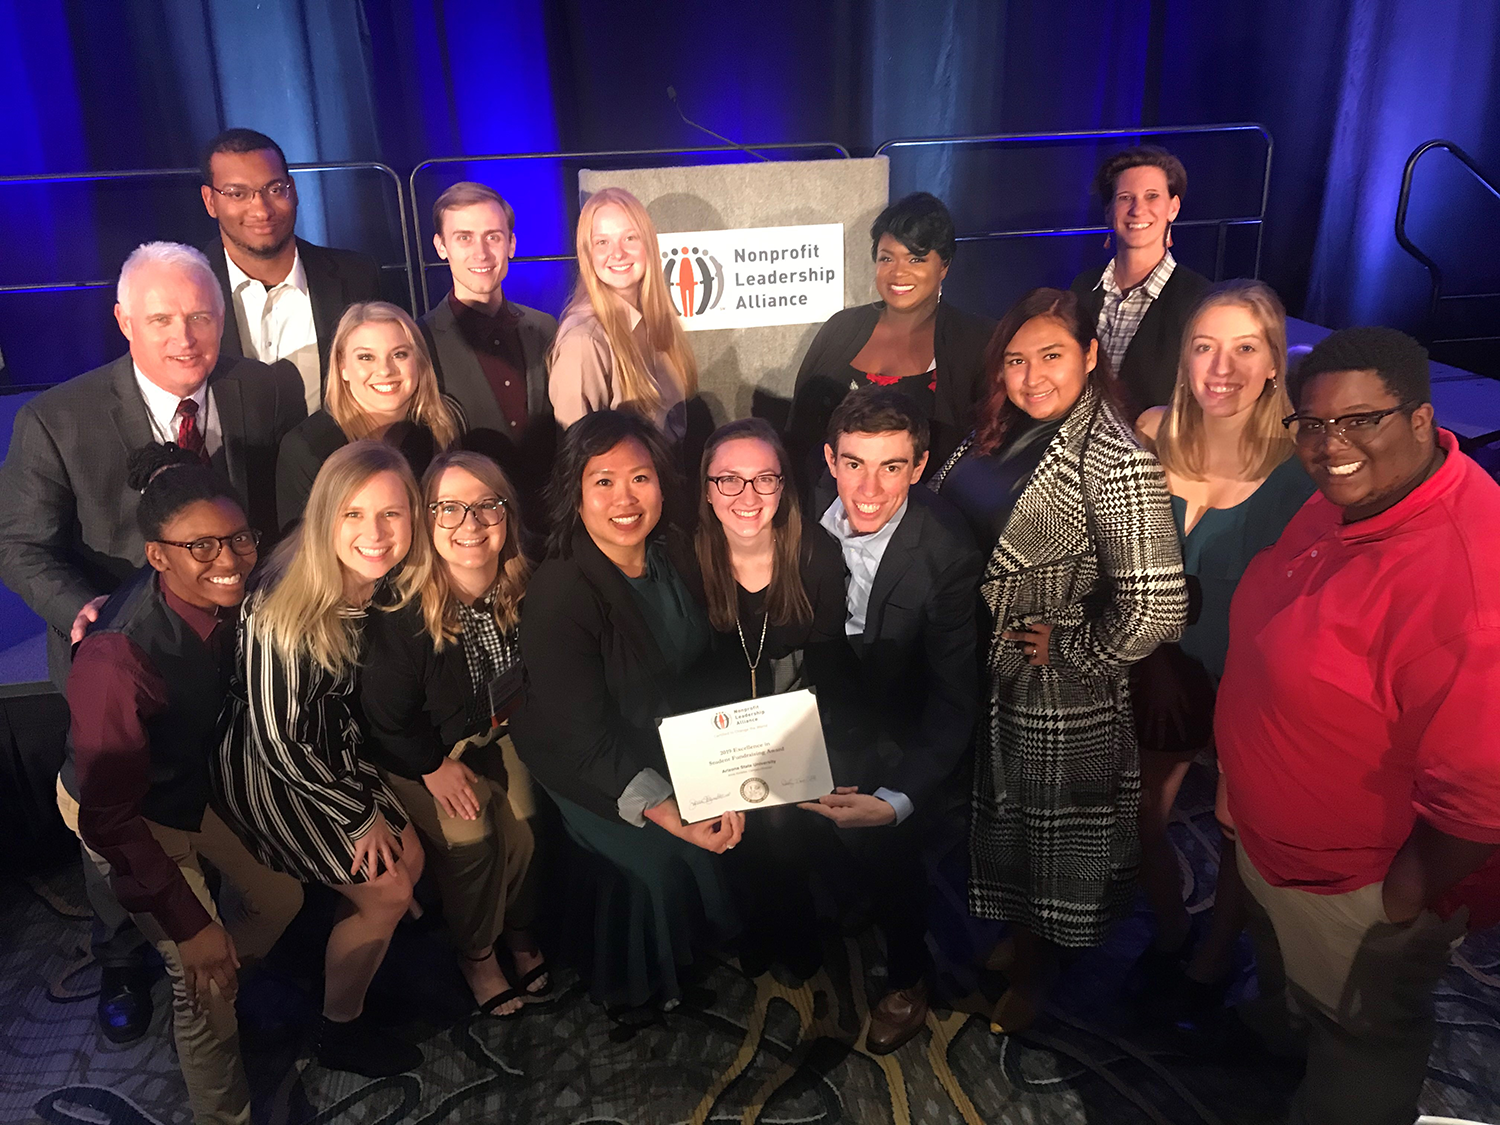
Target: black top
(597,679)
(985,486)
(316,439)
(1149,370)
(675,620)
(958,344)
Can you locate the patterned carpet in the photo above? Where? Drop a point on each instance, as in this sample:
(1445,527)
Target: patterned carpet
(760,1052)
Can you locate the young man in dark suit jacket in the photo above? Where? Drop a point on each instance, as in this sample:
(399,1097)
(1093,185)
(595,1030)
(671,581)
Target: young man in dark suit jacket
(283,297)
(68,533)
(490,353)
(912,595)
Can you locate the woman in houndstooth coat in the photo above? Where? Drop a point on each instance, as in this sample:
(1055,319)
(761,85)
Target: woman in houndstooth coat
(1084,578)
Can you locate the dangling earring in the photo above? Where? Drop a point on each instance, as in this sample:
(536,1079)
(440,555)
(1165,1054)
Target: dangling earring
(1109,240)
(1169,234)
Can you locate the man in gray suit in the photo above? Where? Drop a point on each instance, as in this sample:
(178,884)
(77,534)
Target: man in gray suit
(491,353)
(68,533)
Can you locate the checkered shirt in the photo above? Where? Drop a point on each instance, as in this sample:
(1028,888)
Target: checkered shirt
(1122,312)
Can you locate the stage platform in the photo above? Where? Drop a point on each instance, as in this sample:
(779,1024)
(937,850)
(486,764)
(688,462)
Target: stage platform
(1466,403)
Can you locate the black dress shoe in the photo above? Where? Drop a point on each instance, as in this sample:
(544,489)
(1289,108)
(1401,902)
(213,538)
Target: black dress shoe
(124,1004)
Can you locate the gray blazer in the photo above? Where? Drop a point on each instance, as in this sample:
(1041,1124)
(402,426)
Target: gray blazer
(67,525)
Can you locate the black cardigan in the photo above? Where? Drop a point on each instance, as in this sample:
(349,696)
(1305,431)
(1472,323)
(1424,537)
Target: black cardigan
(316,439)
(596,679)
(1149,370)
(958,343)
(415,699)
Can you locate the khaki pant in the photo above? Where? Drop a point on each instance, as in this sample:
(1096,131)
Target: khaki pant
(480,865)
(257,905)
(1337,974)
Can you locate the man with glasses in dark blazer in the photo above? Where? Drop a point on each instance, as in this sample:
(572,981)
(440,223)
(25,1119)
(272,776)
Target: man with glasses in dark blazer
(68,534)
(283,296)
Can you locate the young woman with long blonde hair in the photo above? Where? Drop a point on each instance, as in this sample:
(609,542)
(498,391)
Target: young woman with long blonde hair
(381,384)
(1234,485)
(437,686)
(291,775)
(620,346)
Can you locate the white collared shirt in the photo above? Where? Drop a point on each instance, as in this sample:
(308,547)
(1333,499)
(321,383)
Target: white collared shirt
(862,555)
(278,323)
(161,410)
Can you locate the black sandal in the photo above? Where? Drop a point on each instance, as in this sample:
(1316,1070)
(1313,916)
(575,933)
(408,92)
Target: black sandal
(487,1009)
(528,979)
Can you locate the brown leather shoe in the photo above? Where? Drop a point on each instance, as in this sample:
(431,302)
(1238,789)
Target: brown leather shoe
(898,1017)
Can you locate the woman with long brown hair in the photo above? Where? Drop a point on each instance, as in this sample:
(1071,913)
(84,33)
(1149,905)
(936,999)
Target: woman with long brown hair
(1084,578)
(1234,484)
(381,384)
(619,345)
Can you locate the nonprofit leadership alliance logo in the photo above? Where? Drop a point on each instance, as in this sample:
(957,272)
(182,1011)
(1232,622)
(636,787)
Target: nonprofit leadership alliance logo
(754,277)
(721,721)
(695,278)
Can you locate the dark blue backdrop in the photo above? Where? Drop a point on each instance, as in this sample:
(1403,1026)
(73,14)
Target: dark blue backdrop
(1347,89)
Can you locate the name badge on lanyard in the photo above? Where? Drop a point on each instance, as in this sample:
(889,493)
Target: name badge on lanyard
(504,692)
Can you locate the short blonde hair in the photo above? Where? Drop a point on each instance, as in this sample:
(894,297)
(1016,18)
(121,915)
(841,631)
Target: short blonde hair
(439,605)
(426,406)
(300,609)
(1265,442)
(638,391)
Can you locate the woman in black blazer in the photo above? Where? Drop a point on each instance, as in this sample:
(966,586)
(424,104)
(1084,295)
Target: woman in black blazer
(910,339)
(380,385)
(608,631)
(1139,302)
(437,683)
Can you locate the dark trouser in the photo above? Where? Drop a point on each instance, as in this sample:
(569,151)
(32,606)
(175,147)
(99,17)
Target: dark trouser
(1332,968)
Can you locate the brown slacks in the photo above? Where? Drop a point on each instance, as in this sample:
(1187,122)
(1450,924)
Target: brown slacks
(480,865)
(255,905)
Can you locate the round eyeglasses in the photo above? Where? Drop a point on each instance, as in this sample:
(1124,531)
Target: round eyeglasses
(206,549)
(767,484)
(451,514)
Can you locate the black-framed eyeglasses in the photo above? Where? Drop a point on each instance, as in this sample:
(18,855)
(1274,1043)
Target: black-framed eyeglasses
(451,514)
(279,190)
(1307,430)
(767,484)
(206,549)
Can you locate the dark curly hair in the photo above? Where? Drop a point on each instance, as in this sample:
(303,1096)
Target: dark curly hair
(1399,360)
(920,222)
(590,436)
(169,478)
(236,141)
(878,410)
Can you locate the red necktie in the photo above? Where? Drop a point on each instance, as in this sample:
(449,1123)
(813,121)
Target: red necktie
(189,436)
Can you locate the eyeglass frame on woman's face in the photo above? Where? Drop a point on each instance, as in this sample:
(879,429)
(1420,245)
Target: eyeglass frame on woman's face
(775,478)
(1337,427)
(219,543)
(497,504)
(278,190)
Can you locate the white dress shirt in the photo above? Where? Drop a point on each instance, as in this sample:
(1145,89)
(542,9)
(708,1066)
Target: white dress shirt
(862,555)
(161,409)
(277,323)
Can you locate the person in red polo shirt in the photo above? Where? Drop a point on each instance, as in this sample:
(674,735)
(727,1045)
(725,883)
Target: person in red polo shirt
(1358,726)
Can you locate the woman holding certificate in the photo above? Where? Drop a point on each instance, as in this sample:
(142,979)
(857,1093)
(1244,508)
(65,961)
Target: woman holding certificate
(608,630)
(774,593)
(435,684)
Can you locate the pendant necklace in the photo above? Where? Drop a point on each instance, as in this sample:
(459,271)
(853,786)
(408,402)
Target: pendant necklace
(754,664)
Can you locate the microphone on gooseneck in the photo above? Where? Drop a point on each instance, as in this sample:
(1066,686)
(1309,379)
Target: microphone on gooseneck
(672,95)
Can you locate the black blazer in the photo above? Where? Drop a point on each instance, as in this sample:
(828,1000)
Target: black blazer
(1149,370)
(958,344)
(316,439)
(527,462)
(416,700)
(67,524)
(336,279)
(919,676)
(597,681)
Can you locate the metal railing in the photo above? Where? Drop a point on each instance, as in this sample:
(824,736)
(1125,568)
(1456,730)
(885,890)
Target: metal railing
(1018,139)
(613,156)
(165,173)
(1434,273)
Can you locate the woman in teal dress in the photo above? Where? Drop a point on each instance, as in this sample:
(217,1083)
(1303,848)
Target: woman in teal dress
(1234,486)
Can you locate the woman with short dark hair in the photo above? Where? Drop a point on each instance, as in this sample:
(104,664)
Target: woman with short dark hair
(910,338)
(1137,304)
(608,633)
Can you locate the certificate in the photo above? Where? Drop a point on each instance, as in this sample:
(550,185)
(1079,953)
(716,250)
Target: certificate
(749,755)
